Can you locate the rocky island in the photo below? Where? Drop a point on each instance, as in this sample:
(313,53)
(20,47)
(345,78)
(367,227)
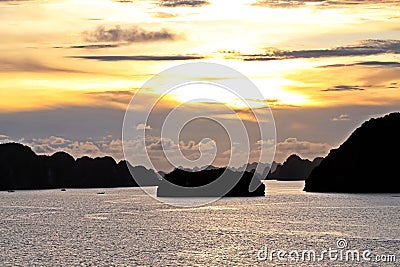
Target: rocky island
(366,162)
(210,183)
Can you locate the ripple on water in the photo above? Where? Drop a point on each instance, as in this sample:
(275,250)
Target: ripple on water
(125,227)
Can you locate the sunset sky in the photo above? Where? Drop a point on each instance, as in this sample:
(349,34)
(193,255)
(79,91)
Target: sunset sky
(68,69)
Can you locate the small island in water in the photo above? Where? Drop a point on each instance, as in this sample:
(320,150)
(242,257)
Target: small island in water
(211,183)
(365,163)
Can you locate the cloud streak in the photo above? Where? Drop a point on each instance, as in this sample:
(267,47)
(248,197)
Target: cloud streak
(140,58)
(284,3)
(366,63)
(173,3)
(363,48)
(341,88)
(130,35)
(31,65)
(94,46)
(183,3)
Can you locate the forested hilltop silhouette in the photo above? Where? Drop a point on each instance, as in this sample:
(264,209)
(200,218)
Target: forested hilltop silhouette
(367,162)
(293,169)
(21,168)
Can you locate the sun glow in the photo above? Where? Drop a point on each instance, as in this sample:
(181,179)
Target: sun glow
(45,60)
(208,93)
(275,92)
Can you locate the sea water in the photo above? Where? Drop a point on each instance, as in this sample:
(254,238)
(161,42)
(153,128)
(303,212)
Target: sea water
(126,227)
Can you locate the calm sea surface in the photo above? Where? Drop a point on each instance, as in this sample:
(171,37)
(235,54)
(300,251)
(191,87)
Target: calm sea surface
(125,227)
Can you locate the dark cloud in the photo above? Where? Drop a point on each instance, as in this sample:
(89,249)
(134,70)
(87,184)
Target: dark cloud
(366,63)
(90,46)
(340,88)
(131,35)
(363,48)
(260,57)
(95,46)
(393,85)
(140,58)
(183,3)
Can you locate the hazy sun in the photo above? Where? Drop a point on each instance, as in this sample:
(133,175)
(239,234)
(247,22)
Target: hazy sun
(211,93)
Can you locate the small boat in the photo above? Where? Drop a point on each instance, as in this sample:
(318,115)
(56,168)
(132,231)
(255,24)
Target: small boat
(100,193)
(11,191)
(63,189)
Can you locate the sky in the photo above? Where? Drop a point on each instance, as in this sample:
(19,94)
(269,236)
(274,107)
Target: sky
(69,69)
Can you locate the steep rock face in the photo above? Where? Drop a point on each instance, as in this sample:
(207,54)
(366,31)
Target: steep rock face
(365,163)
(181,183)
(294,168)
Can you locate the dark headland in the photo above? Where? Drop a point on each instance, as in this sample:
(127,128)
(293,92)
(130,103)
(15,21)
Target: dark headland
(367,162)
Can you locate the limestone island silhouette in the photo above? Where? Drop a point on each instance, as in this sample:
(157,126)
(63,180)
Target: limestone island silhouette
(221,182)
(367,162)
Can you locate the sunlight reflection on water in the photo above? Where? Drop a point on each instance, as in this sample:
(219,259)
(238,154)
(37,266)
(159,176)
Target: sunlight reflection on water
(126,227)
